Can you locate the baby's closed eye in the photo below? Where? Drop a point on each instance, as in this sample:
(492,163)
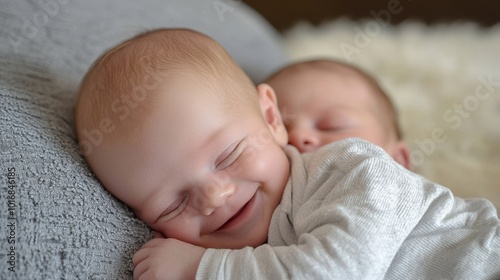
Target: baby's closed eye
(230,155)
(175,209)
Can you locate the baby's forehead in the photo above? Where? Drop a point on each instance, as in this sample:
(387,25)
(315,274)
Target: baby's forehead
(336,78)
(327,69)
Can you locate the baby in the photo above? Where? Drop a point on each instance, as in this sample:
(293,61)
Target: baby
(322,101)
(175,129)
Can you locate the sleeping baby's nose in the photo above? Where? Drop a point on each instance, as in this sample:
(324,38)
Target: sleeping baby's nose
(214,196)
(305,140)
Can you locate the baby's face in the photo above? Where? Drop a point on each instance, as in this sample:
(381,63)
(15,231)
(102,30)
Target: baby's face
(199,173)
(319,107)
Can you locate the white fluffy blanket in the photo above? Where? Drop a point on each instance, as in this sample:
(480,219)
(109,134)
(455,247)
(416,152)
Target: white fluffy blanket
(444,80)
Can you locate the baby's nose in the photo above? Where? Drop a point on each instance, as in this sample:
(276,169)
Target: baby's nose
(214,196)
(304,140)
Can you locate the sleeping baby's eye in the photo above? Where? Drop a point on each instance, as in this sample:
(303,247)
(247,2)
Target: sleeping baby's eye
(328,126)
(229,155)
(334,123)
(175,209)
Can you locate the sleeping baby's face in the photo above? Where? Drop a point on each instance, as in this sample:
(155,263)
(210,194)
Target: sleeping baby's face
(320,107)
(200,172)
(323,106)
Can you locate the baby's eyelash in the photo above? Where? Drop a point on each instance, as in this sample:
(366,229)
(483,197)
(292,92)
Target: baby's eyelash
(232,156)
(178,206)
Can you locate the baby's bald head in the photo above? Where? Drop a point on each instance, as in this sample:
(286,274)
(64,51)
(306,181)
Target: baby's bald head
(127,81)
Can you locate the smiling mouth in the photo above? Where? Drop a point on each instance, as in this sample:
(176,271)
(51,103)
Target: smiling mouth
(234,219)
(235,215)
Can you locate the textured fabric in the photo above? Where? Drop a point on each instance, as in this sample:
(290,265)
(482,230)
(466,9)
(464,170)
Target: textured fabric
(64,224)
(350,212)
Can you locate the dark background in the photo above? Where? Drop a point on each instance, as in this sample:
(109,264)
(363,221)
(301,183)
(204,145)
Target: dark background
(284,13)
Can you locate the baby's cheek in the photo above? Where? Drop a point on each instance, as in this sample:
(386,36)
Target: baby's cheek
(181,227)
(263,164)
(251,163)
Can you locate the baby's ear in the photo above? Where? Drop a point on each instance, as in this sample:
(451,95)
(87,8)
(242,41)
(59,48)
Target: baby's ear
(401,154)
(272,116)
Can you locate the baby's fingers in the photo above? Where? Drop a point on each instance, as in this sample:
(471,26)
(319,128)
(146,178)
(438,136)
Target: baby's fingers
(149,275)
(140,256)
(153,243)
(141,264)
(140,270)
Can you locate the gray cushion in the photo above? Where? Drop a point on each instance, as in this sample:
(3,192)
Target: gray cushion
(64,224)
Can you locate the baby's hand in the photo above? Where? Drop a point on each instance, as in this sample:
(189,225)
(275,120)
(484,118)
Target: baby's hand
(167,259)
